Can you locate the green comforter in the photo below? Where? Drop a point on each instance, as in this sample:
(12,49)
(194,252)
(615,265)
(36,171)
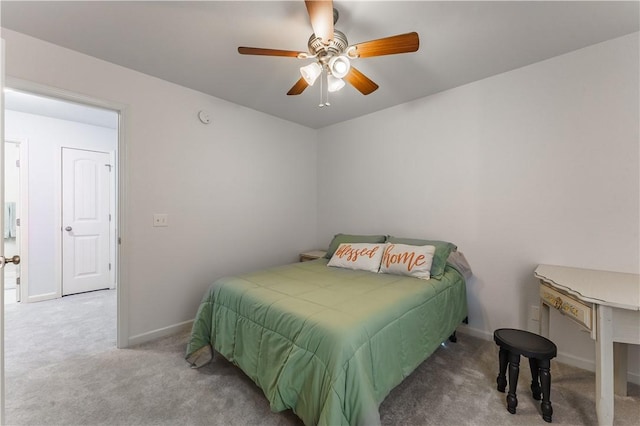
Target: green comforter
(329,343)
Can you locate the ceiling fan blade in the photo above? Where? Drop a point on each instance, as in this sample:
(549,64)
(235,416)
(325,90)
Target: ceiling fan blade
(267,52)
(360,81)
(402,43)
(298,87)
(321,17)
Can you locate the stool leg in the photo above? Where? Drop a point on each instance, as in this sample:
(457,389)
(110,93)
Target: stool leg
(535,384)
(502,371)
(514,370)
(545,381)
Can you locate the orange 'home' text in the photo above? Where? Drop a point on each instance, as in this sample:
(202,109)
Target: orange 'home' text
(409,258)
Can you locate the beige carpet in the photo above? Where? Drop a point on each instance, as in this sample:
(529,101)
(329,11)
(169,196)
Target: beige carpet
(62,368)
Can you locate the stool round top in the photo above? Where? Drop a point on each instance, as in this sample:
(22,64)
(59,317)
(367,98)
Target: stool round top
(525,343)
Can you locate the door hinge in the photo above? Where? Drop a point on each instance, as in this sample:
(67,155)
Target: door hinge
(109,266)
(109,217)
(18,222)
(17,280)
(17,163)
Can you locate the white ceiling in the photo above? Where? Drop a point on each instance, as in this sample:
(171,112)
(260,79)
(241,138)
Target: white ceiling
(194,44)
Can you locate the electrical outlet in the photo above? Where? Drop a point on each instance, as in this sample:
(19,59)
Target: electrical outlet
(534,313)
(160,219)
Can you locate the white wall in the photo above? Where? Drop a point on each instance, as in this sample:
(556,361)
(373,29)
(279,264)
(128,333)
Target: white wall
(46,136)
(240,192)
(536,165)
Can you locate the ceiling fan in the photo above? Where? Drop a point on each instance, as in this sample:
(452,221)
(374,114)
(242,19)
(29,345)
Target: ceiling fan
(333,54)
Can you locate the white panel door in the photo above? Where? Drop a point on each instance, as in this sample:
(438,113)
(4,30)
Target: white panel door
(85,220)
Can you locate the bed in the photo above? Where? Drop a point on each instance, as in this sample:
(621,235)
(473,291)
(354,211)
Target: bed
(329,343)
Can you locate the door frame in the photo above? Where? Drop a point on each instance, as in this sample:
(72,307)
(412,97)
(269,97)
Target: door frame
(122,269)
(23,229)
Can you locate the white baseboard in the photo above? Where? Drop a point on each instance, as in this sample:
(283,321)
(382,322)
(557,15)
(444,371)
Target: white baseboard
(480,334)
(42,297)
(568,359)
(589,365)
(562,357)
(159,333)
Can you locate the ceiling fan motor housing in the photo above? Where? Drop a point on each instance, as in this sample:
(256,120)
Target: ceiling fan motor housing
(324,52)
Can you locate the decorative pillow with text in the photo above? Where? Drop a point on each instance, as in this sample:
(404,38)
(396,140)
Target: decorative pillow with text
(360,256)
(403,259)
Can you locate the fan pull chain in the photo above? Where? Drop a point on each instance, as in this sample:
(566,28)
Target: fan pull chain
(321,104)
(324,90)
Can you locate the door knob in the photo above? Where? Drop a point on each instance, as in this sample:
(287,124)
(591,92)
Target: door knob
(68,228)
(14,259)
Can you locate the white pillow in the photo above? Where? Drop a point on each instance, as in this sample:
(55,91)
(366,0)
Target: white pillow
(360,256)
(403,259)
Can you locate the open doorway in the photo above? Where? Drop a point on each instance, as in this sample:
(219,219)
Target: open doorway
(72,159)
(49,124)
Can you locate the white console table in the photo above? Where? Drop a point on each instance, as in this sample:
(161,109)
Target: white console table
(607,304)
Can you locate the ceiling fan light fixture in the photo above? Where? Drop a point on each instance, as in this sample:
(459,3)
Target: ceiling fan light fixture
(334,84)
(339,66)
(311,72)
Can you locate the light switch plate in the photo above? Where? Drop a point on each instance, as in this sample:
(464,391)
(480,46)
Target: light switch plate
(160,219)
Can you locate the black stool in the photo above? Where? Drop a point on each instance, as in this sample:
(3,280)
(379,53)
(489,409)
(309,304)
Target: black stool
(539,350)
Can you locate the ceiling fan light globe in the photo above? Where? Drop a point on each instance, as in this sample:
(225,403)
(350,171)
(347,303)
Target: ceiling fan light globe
(311,72)
(339,66)
(334,84)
